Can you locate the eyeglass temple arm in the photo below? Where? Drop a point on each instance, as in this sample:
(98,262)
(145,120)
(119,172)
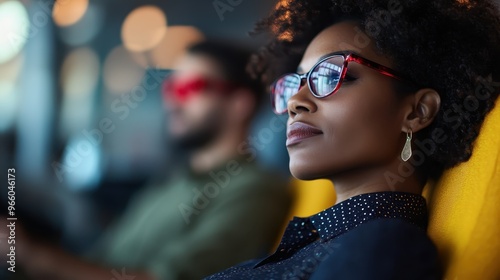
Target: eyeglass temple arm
(378,67)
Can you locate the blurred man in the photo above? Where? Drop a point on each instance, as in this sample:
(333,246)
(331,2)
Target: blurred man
(220,210)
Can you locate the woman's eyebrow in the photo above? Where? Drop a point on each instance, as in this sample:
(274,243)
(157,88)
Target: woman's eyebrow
(301,70)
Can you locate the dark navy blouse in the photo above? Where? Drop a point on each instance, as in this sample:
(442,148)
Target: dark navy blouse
(370,236)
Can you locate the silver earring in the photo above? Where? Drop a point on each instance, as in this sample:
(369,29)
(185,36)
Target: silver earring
(406,153)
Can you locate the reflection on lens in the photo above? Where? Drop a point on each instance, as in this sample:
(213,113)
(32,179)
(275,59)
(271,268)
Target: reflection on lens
(285,88)
(326,76)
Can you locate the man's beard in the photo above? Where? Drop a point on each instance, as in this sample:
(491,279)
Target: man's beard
(200,136)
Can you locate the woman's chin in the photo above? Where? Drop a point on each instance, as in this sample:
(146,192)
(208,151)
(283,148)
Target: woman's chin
(304,172)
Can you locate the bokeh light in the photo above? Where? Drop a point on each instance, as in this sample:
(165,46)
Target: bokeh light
(66,13)
(121,72)
(80,72)
(14,24)
(144,28)
(87,156)
(173,45)
(79,78)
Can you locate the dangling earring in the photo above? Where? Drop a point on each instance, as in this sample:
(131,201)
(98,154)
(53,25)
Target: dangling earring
(406,153)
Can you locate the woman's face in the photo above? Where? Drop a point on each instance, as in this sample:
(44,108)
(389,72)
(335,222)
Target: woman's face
(358,127)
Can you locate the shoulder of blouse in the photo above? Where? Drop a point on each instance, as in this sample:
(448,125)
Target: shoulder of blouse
(381,249)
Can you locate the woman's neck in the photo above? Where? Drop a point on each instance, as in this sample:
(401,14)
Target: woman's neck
(396,177)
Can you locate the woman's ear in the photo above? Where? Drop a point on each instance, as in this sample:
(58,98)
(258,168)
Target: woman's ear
(424,106)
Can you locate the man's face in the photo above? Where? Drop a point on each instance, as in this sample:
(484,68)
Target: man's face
(195,102)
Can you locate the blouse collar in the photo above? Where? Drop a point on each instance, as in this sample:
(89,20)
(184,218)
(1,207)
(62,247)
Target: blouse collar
(347,215)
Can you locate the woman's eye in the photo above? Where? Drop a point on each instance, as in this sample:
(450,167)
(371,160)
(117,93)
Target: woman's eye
(350,78)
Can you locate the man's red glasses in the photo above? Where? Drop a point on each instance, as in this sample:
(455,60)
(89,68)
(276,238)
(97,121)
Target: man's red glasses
(182,89)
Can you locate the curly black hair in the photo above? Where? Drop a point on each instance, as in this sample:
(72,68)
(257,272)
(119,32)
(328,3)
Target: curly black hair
(452,46)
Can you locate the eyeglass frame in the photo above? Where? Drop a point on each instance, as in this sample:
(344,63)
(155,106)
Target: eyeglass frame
(348,57)
(170,81)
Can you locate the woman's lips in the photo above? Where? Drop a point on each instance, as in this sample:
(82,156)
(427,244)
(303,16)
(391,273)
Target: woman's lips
(298,131)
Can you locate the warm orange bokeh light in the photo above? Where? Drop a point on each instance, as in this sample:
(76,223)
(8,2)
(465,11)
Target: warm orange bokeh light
(144,28)
(67,13)
(174,44)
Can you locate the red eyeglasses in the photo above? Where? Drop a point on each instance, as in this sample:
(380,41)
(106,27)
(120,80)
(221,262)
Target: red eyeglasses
(183,89)
(324,79)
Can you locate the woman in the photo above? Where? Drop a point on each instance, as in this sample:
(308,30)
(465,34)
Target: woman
(387,94)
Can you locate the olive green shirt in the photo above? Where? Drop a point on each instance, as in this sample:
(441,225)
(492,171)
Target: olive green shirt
(198,224)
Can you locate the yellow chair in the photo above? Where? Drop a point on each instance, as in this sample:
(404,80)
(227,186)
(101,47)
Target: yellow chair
(464,208)
(312,197)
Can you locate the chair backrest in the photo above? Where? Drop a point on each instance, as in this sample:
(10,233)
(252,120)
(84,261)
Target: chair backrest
(312,197)
(464,208)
